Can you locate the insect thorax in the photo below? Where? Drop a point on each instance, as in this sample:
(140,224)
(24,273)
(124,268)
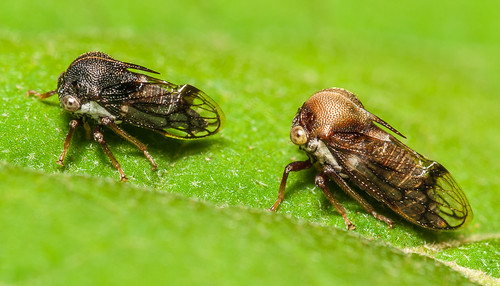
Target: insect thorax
(94,110)
(318,151)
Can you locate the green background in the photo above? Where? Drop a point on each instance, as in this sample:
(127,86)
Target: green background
(429,68)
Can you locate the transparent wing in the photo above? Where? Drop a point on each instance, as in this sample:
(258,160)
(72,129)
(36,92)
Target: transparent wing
(420,190)
(175,111)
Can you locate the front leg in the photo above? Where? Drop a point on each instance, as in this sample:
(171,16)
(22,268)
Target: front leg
(294,166)
(41,95)
(99,137)
(72,126)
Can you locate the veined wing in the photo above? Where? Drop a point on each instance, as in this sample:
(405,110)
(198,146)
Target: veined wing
(172,110)
(419,189)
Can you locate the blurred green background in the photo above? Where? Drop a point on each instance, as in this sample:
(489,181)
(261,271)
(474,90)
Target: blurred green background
(428,68)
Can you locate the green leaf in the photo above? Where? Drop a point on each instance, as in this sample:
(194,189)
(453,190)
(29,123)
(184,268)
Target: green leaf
(429,69)
(102,232)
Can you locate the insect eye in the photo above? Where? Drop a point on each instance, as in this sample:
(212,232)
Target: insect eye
(70,103)
(298,135)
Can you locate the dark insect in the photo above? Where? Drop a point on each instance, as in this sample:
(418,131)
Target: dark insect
(99,87)
(340,136)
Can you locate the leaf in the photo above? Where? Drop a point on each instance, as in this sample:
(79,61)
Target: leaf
(429,69)
(95,231)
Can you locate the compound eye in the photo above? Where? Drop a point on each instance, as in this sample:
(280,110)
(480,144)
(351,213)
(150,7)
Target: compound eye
(70,103)
(298,135)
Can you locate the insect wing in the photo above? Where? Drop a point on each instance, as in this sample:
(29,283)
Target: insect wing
(200,116)
(174,111)
(420,190)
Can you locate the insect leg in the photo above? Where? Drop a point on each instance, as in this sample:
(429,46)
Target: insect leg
(320,181)
(88,132)
(294,166)
(41,95)
(107,122)
(72,126)
(99,137)
(330,171)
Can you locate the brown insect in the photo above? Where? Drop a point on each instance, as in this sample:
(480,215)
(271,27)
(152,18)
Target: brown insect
(105,91)
(340,136)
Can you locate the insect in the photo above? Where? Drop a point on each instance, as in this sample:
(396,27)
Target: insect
(340,137)
(101,89)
